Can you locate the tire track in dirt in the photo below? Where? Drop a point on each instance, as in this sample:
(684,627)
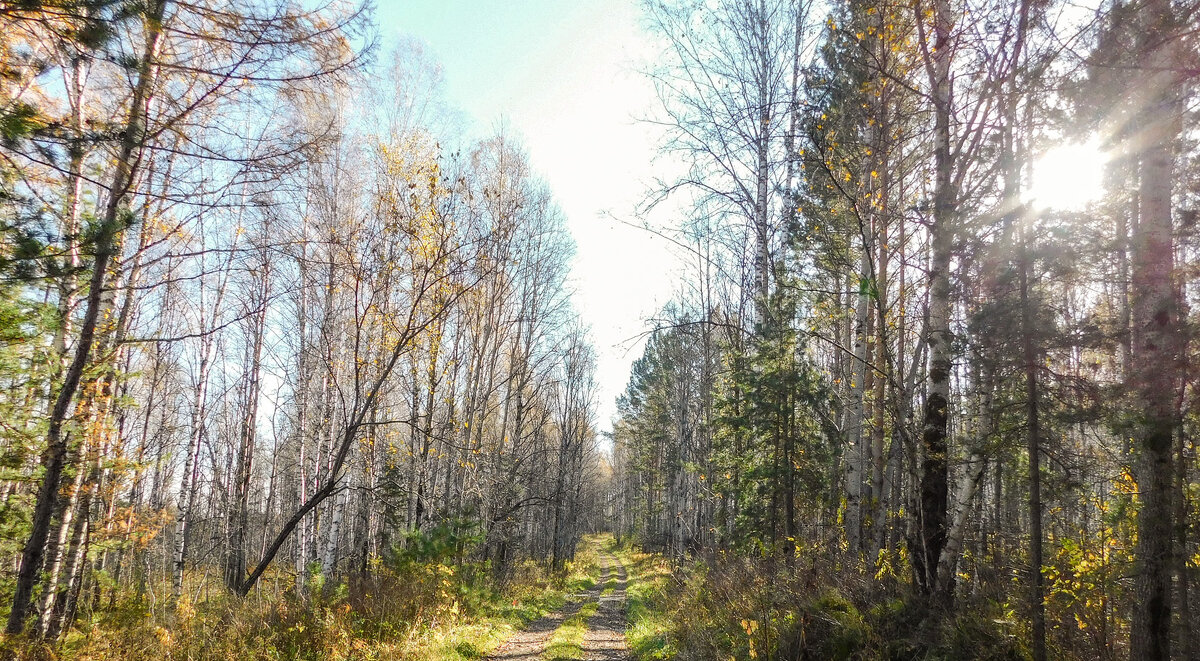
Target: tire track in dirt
(605,637)
(529,643)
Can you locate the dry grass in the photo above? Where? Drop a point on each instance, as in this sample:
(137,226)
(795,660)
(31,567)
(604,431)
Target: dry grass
(428,612)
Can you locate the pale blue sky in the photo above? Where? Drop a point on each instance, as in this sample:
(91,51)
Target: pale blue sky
(563,76)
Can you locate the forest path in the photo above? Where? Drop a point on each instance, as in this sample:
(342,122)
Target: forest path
(604,639)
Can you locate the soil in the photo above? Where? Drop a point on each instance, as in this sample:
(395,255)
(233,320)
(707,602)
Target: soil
(605,637)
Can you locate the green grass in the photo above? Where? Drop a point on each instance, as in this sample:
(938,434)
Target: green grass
(567,643)
(646,603)
(475,638)
(427,611)
(433,612)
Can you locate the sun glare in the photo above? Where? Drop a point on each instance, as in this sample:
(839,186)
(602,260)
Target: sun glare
(1068,176)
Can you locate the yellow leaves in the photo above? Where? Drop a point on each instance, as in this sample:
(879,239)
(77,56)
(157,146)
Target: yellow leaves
(1125,483)
(888,563)
(750,627)
(184,609)
(412,193)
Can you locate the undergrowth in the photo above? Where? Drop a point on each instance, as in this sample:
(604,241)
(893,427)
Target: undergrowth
(415,604)
(646,602)
(732,607)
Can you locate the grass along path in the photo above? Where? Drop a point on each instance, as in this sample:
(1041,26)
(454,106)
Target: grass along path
(530,643)
(589,628)
(646,607)
(567,643)
(470,639)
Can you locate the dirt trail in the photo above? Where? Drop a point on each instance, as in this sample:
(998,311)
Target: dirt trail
(605,638)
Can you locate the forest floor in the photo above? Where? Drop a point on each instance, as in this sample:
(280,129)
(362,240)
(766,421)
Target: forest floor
(590,626)
(605,606)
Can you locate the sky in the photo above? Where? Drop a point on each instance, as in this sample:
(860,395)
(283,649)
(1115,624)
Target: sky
(563,76)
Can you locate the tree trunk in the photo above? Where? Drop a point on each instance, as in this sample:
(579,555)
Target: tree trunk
(60,610)
(235,565)
(1156,334)
(935,467)
(1031,357)
(58,546)
(191,468)
(55,456)
(967,489)
(858,437)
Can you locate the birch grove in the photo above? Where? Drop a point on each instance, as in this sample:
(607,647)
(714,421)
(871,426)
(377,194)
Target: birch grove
(297,360)
(269,345)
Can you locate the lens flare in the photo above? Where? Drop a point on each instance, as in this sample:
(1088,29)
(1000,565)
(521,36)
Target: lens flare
(1068,176)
